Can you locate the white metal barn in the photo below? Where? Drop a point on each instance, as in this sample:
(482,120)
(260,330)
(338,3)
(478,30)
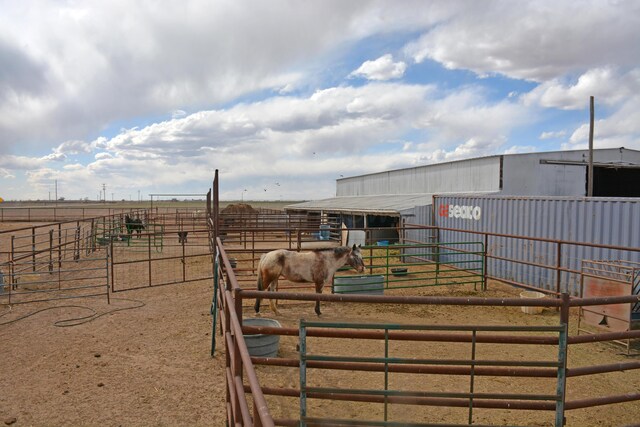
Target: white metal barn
(539,195)
(384,198)
(559,173)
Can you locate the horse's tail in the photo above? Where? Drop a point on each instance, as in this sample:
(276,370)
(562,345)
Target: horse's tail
(257,306)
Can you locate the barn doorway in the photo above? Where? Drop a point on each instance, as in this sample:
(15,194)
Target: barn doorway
(616,182)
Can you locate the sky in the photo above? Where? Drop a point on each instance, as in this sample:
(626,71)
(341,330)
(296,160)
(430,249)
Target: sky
(119,99)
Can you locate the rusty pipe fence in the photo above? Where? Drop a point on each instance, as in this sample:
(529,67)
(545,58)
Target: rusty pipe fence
(553,261)
(61,260)
(54,261)
(539,264)
(60,213)
(228,302)
(245,230)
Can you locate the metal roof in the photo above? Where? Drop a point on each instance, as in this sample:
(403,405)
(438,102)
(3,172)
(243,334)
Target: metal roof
(495,156)
(380,204)
(385,203)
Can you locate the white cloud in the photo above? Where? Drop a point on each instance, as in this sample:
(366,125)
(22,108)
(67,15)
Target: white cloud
(176,114)
(382,68)
(606,85)
(534,40)
(467,120)
(73,147)
(70,69)
(73,72)
(519,149)
(20,162)
(293,139)
(552,135)
(4,173)
(620,129)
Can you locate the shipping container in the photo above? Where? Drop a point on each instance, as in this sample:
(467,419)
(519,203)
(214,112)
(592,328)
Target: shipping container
(591,221)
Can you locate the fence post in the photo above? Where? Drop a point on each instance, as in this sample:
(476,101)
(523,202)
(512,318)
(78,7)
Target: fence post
(33,247)
(110,256)
(184,263)
(77,243)
(485,265)
(93,235)
(303,370)
(237,360)
(214,303)
(562,361)
(149,254)
(12,267)
(51,251)
(59,245)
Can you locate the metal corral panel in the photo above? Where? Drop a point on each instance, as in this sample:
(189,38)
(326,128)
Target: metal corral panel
(608,221)
(482,174)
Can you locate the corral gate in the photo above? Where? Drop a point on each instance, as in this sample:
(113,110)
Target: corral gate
(387,363)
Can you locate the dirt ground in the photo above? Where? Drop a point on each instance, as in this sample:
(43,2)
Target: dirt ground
(145,361)
(151,365)
(145,366)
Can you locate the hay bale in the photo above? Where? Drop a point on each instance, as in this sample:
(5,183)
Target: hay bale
(239,208)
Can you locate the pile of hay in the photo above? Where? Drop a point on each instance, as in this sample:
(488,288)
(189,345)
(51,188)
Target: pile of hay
(239,208)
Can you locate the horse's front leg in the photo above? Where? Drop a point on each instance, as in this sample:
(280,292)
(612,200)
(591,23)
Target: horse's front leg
(319,291)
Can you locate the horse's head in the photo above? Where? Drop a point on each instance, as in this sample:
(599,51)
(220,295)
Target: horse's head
(355,259)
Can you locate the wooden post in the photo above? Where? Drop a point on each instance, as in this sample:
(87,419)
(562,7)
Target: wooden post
(590,172)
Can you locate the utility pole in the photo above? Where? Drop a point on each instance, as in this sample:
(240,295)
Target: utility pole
(590,171)
(56,191)
(104,192)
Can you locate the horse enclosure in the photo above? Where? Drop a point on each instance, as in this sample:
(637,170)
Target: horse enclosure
(354,366)
(440,342)
(98,256)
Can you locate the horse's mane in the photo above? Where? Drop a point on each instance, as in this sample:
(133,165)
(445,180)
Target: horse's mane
(338,251)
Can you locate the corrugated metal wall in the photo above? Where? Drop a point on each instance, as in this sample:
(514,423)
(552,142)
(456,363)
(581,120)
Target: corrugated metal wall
(420,215)
(522,174)
(610,221)
(481,174)
(529,175)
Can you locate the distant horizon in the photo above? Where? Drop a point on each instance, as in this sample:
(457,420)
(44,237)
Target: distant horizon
(96,202)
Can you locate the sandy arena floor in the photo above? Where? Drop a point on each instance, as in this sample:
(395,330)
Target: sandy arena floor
(151,366)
